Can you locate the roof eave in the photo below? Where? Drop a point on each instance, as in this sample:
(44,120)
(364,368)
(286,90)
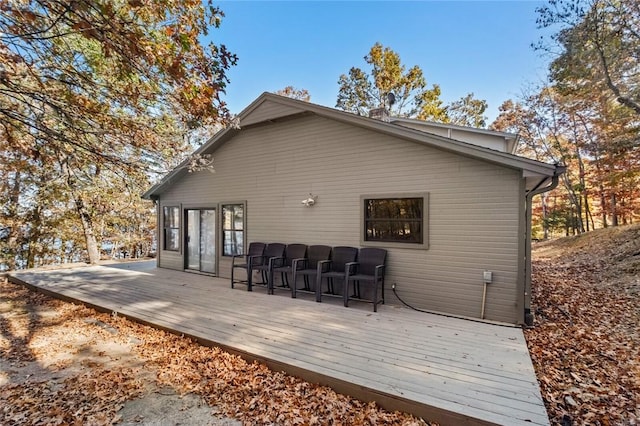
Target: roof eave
(407,133)
(452,145)
(447,144)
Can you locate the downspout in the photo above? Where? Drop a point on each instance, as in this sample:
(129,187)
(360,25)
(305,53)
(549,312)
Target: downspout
(555,179)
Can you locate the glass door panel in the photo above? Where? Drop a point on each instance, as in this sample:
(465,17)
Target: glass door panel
(201,240)
(208,241)
(193,239)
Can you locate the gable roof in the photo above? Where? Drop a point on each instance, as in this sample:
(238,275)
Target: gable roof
(269,107)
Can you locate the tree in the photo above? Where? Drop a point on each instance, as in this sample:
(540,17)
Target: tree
(587,116)
(360,91)
(292,92)
(599,66)
(91,91)
(88,72)
(600,47)
(596,138)
(597,77)
(468,111)
(547,130)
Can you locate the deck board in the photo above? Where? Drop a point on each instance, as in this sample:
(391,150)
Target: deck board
(446,369)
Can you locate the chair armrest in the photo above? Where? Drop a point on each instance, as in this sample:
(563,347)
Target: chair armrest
(251,259)
(233,258)
(276,261)
(379,271)
(302,260)
(349,266)
(323,265)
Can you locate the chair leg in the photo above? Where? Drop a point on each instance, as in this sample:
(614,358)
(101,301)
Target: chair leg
(232,269)
(319,289)
(294,276)
(249,278)
(356,289)
(270,282)
(345,293)
(375,296)
(306,282)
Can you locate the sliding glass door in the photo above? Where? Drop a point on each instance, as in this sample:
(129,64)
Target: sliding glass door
(201,240)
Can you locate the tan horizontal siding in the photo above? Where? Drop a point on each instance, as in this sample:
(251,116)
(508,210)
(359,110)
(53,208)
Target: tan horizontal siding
(171,260)
(473,213)
(268,110)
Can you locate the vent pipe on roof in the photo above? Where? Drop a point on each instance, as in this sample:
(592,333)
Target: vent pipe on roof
(381,114)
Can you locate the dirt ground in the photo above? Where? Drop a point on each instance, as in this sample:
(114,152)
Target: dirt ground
(56,355)
(65,364)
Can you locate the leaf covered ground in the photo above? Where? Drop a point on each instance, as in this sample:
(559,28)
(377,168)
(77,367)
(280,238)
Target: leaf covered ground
(65,364)
(585,344)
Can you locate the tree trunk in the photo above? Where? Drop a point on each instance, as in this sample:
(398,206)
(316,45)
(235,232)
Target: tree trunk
(579,220)
(614,209)
(545,222)
(575,201)
(587,213)
(93,251)
(34,236)
(583,208)
(87,226)
(603,207)
(590,218)
(12,210)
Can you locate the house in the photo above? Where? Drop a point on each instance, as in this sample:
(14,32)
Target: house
(461,245)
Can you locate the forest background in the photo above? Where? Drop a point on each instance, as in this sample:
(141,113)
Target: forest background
(99,99)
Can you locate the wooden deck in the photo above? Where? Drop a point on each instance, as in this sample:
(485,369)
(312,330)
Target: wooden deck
(444,369)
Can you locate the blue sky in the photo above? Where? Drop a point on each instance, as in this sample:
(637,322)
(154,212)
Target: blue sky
(464,46)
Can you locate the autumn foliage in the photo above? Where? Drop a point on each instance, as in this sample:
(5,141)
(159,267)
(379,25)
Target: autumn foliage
(585,345)
(361,91)
(585,116)
(96,99)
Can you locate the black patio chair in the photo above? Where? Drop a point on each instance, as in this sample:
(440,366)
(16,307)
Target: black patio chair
(334,268)
(262,263)
(284,264)
(369,271)
(308,267)
(255,249)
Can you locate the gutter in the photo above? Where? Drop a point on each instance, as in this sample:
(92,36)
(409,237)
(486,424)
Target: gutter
(539,189)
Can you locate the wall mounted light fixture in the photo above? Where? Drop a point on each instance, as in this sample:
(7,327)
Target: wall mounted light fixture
(308,202)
